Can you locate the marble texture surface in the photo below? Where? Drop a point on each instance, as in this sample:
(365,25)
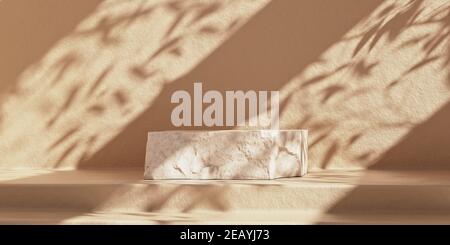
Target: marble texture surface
(226,154)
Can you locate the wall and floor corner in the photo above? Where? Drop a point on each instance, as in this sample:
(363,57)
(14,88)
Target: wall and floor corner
(83,82)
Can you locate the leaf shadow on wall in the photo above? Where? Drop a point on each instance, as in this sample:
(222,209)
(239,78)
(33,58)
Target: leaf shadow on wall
(424,148)
(386,29)
(274,46)
(30,29)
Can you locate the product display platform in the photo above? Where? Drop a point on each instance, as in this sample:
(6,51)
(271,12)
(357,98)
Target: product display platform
(226,154)
(322,196)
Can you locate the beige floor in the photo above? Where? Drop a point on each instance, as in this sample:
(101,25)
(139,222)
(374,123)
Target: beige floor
(122,197)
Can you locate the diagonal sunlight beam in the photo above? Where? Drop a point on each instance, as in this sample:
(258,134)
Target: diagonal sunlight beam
(418,135)
(388,74)
(78,92)
(90,100)
(274,46)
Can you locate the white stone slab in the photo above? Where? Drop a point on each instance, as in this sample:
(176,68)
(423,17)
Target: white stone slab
(226,154)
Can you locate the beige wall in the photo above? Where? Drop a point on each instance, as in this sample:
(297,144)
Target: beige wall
(83,81)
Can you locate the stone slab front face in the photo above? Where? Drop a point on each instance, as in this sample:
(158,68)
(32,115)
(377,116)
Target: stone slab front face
(226,154)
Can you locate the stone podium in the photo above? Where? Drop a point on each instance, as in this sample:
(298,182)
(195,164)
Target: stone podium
(226,154)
